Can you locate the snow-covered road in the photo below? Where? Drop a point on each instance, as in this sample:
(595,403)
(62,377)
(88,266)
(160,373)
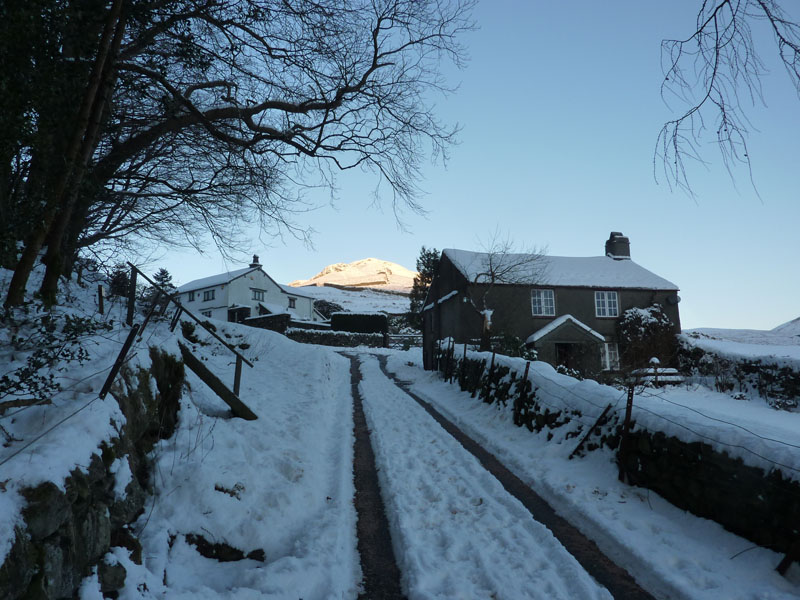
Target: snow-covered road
(457,533)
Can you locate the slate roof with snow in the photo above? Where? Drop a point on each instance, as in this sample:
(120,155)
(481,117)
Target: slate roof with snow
(567,271)
(213,280)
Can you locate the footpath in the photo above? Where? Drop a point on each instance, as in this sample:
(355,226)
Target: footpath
(439,516)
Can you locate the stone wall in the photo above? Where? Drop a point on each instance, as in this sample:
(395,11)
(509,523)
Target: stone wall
(66,533)
(762,507)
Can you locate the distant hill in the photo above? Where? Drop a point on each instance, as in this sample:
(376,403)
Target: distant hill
(366,273)
(789,328)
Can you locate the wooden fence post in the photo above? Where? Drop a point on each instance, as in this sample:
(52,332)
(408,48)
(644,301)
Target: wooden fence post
(118,363)
(451,359)
(131,297)
(100,297)
(623,444)
(237,377)
(591,429)
(149,314)
(175,318)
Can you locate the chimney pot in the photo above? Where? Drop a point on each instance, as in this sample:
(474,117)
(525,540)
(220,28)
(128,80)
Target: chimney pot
(618,246)
(255,262)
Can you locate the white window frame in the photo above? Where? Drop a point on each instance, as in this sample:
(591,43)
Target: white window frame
(606,304)
(609,356)
(209,295)
(545,301)
(258,295)
(292,302)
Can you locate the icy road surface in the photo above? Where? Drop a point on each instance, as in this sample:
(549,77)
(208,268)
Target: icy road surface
(456,532)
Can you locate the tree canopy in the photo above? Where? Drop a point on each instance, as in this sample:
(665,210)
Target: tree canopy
(169,120)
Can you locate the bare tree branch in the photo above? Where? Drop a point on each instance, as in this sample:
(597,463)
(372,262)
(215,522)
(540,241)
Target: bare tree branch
(714,71)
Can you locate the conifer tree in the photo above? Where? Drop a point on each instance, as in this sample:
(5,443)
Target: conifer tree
(427,264)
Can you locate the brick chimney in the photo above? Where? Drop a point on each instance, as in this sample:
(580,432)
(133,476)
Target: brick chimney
(618,246)
(255,262)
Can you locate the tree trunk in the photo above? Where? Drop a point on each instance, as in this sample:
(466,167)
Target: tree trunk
(80,146)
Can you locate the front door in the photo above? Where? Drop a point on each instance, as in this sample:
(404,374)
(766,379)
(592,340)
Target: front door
(566,355)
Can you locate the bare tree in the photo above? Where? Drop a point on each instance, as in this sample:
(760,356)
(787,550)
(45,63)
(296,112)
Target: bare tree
(502,262)
(210,110)
(715,70)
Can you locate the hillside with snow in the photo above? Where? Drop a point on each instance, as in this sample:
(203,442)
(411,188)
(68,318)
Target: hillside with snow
(367,273)
(781,343)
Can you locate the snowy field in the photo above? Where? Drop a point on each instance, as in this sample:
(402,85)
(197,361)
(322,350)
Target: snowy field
(780,345)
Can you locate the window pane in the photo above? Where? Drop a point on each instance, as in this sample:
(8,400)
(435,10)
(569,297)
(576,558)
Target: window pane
(613,310)
(600,304)
(542,303)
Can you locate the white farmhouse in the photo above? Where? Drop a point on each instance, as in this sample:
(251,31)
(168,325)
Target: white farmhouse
(237,295)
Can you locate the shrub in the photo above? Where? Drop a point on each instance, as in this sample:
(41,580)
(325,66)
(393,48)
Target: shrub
(643,334)
(360,322)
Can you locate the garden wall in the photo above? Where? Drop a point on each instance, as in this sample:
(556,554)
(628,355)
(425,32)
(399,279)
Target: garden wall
(336,338)
(67,532)
(761,506)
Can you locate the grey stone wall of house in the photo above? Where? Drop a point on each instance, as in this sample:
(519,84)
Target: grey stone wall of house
(513,314)
(67,532)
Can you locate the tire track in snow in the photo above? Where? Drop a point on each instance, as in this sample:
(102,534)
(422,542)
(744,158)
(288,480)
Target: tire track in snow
(381,577)
(618,581)
(457,532)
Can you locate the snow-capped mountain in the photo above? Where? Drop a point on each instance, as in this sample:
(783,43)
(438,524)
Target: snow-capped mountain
(368,273)
(789,328)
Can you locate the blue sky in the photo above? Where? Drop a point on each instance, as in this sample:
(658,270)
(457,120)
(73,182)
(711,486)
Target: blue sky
(560,107)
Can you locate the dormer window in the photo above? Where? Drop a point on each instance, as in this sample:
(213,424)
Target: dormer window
(606,304)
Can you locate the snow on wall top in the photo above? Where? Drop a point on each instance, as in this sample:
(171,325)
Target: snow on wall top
(590,271)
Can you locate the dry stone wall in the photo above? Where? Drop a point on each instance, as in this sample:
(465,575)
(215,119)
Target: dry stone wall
(68,531)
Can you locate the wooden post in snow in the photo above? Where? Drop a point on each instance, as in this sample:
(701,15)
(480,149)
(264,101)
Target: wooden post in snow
(623,444)
(237,377)
(100,297)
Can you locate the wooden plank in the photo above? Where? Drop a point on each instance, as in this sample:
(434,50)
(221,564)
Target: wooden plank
(238,408)
(118,363)
(237,377)
(792,555)
(591,429)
